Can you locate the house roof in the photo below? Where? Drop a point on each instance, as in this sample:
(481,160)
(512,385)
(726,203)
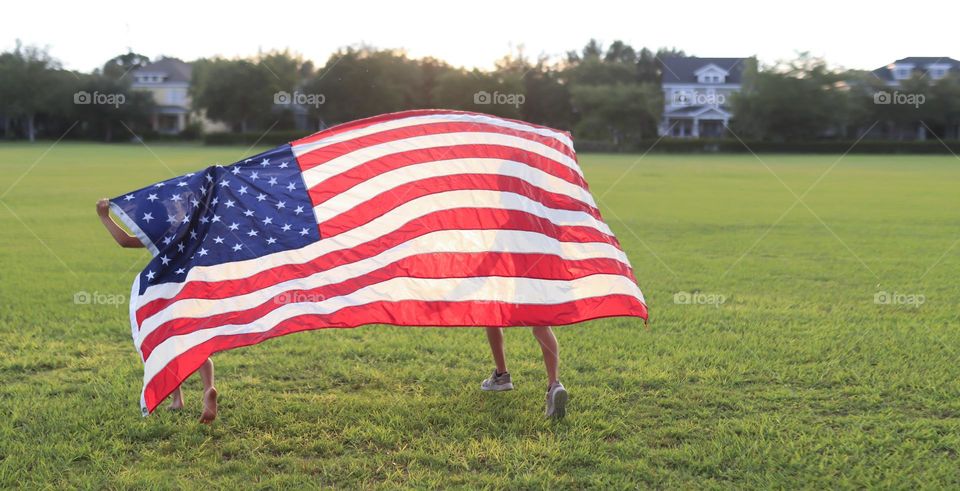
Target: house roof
(176,70)
(919,63)
(682,69)
(698,111)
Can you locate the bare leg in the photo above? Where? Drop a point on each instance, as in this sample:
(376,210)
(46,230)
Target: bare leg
(209,393)
(495,337)
(176,401)
(206,374)
(551,351)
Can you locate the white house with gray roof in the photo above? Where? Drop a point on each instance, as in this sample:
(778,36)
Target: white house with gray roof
(929,68)
(933,67)
(697,95)
(168,81)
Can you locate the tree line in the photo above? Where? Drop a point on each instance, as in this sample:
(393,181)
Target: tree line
(603,93)
(611,93)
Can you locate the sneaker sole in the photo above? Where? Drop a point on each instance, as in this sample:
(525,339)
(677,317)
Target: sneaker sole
(497,388)
(559,404)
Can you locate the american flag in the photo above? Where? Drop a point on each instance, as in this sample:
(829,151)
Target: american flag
(426,218)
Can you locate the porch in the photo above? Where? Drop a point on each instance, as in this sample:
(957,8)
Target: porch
(695,122)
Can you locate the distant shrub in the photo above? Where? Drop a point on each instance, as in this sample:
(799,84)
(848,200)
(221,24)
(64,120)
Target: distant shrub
(271,138)
(193,131)
(678,145)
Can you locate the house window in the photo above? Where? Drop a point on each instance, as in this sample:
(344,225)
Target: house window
(937,73)
(901,73)
(176,97)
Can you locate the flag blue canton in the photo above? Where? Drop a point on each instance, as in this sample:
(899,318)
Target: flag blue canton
(252,208)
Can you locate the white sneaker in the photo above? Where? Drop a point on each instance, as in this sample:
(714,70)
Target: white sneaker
(556,401)
(497,382)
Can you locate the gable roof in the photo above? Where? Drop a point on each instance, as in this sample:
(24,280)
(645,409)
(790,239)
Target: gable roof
(682,69)
(919,63)
(698,111)
(708,67)
(174,69)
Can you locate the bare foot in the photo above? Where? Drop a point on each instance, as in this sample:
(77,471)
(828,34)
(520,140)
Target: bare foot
(209,406)
(175,405)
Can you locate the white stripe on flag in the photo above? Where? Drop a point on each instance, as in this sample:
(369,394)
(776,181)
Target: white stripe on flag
(501,200)
(478,289)
(381,226)
(372,188)
(299,150)
(444,241)
(356,158)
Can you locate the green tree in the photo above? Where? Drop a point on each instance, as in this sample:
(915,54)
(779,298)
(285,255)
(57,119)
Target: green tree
(799,99)
(120,66)
(361,82)
(650,64)
(615,94)
(288,74)
(111,107)
(596,70)
(943,101)
(548,100)
(462,89)
(617,112)
(237,92)
(28,79)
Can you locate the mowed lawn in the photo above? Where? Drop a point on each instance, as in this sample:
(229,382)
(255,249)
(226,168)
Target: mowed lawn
(768,362)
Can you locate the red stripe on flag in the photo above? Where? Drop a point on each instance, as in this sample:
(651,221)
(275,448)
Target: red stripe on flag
(366,122)
(437,265)
(388,200)
(325,154)
(405,313)
(339,183)
(455,219)
(383,118)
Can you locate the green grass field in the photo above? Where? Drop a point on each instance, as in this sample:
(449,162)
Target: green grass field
(782,372)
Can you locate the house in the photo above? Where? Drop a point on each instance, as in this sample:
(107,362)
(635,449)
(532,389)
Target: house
(168,80)
(697,94)
(922,66)
(930,69)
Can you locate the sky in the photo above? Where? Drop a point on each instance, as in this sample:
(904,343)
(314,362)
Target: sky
(849,34)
